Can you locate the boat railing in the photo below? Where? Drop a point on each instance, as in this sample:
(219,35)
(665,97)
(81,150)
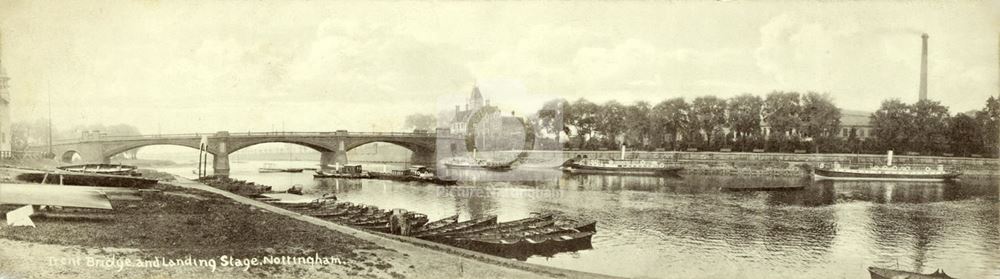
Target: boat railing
(906,167)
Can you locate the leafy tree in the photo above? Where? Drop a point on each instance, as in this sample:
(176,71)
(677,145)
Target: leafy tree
(638,125)
(551,117)
(929,122)
(420,121)
(29,133)
(965,135)
(670,118)
(891,124)
(36,132)
(582,115)
(745,115)
(989,120)
(853,143)
(781,111)
(20,137)
(820,117)
(708,114)
(610,123)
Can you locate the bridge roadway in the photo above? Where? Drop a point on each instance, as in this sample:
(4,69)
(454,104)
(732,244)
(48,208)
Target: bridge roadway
(333,146)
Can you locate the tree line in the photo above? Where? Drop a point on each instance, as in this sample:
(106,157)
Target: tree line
(25,134)
(794,122)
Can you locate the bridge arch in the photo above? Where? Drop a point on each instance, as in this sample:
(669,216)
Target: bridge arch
(414,147)
(121,149)
(423,151)
(67,156)
(310,144)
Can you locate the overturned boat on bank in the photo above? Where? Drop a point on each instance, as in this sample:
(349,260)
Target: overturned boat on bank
(86,179)
(110,169)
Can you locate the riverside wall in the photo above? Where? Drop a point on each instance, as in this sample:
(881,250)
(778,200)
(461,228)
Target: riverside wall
(765,164)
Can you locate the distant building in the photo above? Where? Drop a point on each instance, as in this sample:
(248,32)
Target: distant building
(5,121)
(494,130)
(475,103)
(858,121)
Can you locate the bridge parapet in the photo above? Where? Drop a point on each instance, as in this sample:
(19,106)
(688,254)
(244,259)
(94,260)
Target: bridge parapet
(101,137)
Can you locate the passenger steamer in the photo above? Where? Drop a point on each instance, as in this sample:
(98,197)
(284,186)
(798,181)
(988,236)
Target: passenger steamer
(887,172)
(619,166)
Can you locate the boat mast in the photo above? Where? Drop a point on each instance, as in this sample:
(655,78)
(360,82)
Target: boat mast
(49,94)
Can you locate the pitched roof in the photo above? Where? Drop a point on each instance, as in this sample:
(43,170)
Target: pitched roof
(855,118)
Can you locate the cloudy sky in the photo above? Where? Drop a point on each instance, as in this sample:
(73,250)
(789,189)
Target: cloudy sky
(187,66)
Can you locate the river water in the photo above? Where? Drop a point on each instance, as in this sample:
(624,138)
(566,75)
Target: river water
(687,227)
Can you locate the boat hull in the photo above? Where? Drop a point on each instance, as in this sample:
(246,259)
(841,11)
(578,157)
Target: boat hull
(273,170)
(885,273)
(524,247)
(825,174)
(338,175)
(478,167)
(108,169)
(87,179)
(584,169)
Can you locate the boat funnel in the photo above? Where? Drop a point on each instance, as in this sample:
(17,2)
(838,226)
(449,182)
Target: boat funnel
(623,152)
(888,160)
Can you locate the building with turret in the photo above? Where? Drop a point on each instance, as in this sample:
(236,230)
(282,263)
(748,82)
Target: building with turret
(474,104)
(494,130)
(5,121)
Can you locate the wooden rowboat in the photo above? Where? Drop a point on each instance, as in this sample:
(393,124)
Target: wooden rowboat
(108,169)
(478,222)
(530,222)
(86,179)
(523,247)
(885,273)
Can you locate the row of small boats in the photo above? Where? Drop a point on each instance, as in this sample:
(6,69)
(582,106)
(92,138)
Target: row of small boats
(270,168)
(105,175)
(414,173)
(540,234)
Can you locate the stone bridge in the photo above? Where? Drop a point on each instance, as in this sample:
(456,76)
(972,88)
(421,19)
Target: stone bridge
(333,146)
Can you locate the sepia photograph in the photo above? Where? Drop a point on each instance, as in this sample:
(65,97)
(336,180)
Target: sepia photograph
(499,139)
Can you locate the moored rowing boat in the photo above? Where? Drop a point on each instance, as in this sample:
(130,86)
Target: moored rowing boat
(885,273)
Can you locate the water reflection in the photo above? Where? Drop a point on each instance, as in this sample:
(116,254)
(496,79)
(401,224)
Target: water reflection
(335,185)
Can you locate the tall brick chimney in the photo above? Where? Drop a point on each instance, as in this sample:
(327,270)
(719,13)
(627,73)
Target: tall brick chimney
(923,69)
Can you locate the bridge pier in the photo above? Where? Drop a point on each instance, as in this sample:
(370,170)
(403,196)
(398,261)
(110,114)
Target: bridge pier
(220,165)
(330,158)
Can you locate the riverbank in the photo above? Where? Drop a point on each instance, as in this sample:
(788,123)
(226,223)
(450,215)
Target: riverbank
(190,230)
(760,164)
(177,224)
